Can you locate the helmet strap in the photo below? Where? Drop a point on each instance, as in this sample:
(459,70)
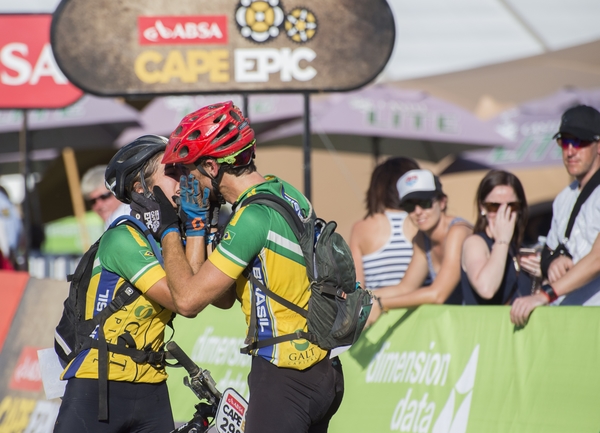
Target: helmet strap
(215,182)
(147,192)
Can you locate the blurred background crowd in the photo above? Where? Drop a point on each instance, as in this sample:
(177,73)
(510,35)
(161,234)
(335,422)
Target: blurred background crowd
(471,86)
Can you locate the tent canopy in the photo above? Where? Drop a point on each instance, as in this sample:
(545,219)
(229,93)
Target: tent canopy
(385,120)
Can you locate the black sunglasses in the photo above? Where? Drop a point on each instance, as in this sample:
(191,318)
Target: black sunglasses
(105,196)
(515,206)
(410,205)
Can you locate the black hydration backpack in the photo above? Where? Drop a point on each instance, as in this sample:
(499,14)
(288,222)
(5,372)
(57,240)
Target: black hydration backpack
(75,334)
(338,307)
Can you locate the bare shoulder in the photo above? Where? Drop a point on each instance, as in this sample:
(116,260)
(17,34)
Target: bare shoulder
(459,231)
(369,223)
(475,244)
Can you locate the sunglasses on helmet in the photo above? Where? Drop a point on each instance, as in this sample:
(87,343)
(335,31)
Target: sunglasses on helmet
(493,207)
(241,158)
(410,205)
(577,143)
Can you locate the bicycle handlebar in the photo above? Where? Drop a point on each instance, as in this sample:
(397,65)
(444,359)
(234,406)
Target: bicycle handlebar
(183,359)
(200,381)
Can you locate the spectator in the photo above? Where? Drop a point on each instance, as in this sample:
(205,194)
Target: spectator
(436,248)
(572,265)
(99,197)
(381,243)
(491,272)
(11,230)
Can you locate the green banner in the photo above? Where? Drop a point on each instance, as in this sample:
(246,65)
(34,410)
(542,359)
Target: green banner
(438,369)
(213,340)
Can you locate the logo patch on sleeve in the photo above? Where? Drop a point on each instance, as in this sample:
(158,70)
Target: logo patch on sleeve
(228,236)
(146,254)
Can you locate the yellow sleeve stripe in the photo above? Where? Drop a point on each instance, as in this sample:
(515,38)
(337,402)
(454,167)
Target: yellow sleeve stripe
(225,265)
(151,277)
(236,216)
(136,235)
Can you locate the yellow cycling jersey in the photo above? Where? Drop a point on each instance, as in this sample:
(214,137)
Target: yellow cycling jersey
(124,254)
(259,237)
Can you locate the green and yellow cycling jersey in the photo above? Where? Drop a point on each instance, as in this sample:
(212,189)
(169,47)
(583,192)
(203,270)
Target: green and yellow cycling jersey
(260,237)
(124,254)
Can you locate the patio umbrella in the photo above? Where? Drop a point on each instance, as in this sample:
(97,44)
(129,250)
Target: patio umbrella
(163,114)
(90,123)
(530,128)
(386,120)
(534,156)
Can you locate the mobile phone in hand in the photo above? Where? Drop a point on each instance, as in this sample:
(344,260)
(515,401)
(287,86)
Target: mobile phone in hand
(527,251)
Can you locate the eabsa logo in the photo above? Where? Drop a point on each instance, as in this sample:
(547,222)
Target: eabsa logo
(164,30)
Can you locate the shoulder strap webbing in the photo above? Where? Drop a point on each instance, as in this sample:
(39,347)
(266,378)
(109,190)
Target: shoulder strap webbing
(129,220)
(583,196)
(281,206)
(125,295)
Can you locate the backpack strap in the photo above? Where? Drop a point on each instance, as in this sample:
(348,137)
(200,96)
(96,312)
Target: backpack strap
(126,294)
(587,190)
(282,207)
(134,222)
(548,256)
(253,344)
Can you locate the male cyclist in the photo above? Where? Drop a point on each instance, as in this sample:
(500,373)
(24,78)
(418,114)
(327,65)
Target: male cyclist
(294,385)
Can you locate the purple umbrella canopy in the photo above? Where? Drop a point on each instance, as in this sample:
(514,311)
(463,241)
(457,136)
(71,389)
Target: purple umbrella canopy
(163,114)
(89,123)
(529,128)
(397,121)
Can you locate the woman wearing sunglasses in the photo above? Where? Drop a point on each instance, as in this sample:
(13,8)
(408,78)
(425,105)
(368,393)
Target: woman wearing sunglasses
(491,267)
(436,248)
(381,243)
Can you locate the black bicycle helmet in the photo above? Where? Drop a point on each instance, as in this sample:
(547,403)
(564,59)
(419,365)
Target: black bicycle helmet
(128,162)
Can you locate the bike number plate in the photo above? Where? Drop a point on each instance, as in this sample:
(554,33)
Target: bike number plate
(231,414)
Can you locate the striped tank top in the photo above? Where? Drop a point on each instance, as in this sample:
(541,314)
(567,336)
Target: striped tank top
(386,266)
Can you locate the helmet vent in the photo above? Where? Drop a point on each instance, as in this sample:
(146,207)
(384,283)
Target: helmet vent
(193,118)
(233,114)
(184,151)
(224,131)
(194,135)
(178,130)
(219,119)
(229,142)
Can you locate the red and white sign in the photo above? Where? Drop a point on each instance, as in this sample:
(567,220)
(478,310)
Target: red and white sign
(26,375)
(231,413)
(169,30)
(29,75)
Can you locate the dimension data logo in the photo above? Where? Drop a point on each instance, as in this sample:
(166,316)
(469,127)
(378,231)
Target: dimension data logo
(419,411)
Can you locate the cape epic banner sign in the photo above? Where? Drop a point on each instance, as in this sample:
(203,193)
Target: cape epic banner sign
(128,47)
(29,76)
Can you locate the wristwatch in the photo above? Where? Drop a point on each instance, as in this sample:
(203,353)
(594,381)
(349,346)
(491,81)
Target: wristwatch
(549,292)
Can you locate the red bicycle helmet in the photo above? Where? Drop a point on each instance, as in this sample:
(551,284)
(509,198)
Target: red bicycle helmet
(216,131)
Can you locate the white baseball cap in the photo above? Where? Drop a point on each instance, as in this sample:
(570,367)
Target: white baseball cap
(418,185)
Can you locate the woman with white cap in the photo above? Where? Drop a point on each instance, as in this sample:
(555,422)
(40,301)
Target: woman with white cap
(437,248)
